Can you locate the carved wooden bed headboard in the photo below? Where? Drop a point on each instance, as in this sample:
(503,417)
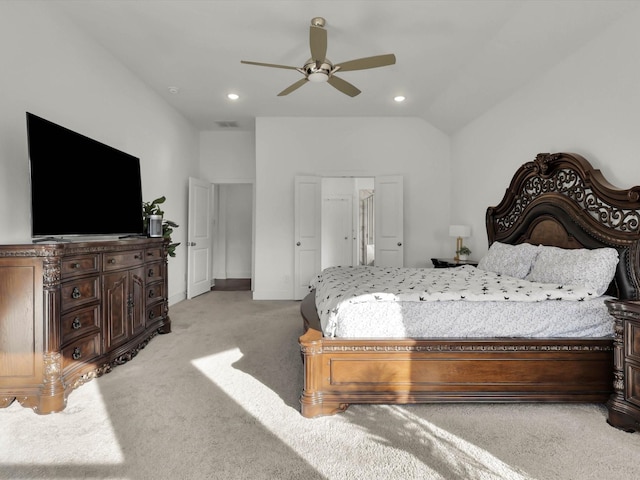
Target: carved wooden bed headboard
(559,199)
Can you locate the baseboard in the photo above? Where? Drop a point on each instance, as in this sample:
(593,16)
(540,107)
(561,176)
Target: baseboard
(173,299)
(237,275)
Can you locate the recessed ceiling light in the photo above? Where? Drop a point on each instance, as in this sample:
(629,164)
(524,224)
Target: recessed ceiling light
(399,98)
(173,90)
(233,96)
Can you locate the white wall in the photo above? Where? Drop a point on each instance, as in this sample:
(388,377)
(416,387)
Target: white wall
(52,69)
(589,104)
(360,147)
(228,156)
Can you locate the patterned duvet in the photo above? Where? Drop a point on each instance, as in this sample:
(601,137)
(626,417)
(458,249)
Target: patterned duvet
(380,302)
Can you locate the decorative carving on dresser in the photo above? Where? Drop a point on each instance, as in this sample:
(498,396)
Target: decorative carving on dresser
(624,404)
(67,324)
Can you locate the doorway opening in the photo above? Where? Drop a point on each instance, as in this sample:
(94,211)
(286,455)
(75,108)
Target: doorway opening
(232,237)
(348,221)
(367,245)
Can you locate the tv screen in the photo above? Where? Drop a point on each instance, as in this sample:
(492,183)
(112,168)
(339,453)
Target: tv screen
(79,186)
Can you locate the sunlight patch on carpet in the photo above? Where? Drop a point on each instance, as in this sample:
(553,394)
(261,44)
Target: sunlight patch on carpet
(335,445)
(468,459)
(85,415)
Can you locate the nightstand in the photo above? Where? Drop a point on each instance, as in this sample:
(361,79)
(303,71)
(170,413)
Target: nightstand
(451,263)
(624,403)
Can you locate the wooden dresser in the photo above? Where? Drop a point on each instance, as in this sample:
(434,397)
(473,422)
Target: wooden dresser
(70,312)
(624,404)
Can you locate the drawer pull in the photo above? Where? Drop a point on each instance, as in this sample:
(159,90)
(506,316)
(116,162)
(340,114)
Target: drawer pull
(151,314)
(77,353)
(76,323)
(75,293)
(111,261)
(75,265)
(137,257)
(149,254)
(150,272)
(152,293)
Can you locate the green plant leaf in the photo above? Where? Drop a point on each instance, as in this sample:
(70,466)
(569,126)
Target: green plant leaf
(152,208)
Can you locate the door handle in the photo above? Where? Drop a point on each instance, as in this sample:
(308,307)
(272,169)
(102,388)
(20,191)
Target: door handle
(191,244)
(399,244)
(298,244)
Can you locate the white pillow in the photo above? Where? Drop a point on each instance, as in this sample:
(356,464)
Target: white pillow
(512,260)
(593,269)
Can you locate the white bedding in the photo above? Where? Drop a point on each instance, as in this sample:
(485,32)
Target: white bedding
(379,302)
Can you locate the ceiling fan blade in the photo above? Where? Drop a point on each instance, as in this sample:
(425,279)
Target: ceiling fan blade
(367,62)
(293,87)
(344,86)
(269,65)
(318,43)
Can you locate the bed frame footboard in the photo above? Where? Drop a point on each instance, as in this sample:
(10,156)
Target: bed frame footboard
(339,372)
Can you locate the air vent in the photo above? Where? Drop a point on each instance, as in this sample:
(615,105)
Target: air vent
(227,124)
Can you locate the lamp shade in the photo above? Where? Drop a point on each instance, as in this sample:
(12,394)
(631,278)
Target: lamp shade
(463,231)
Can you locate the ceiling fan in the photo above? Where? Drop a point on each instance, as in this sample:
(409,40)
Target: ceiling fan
(319,69)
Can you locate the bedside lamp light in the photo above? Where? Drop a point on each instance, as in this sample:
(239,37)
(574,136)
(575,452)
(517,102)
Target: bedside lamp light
(460,232)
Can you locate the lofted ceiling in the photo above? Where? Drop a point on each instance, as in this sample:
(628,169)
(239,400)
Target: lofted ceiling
(455,58)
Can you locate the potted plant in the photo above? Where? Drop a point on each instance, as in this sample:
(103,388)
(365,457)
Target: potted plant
(153,208)
(463,253)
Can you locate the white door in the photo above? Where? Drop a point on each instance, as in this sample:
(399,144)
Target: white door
(306,233)
(389,230)
(337,231)
(199,238)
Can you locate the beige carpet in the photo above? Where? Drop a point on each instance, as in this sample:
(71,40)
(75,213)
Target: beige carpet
(218,398)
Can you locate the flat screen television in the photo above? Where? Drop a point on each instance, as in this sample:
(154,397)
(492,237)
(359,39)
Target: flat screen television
(79,186)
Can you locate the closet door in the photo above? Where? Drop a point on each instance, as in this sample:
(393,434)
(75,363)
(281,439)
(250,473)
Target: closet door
(389,235)
(307,213)
(337,231)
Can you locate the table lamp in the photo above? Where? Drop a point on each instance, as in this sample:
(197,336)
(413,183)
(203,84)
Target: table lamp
(460,232)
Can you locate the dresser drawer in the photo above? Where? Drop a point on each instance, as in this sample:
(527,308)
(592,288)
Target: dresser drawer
(153,272)
(151,254)
(115,261)
(81,351)
(81,265)
(154,313)
(632,339)
(154,292)
(632,384)
(79,323)
(79,292)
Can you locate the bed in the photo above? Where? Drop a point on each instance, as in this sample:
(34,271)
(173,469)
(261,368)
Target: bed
(556,200)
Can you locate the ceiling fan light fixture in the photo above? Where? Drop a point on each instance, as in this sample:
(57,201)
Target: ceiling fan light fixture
(318,77)
(317,72)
